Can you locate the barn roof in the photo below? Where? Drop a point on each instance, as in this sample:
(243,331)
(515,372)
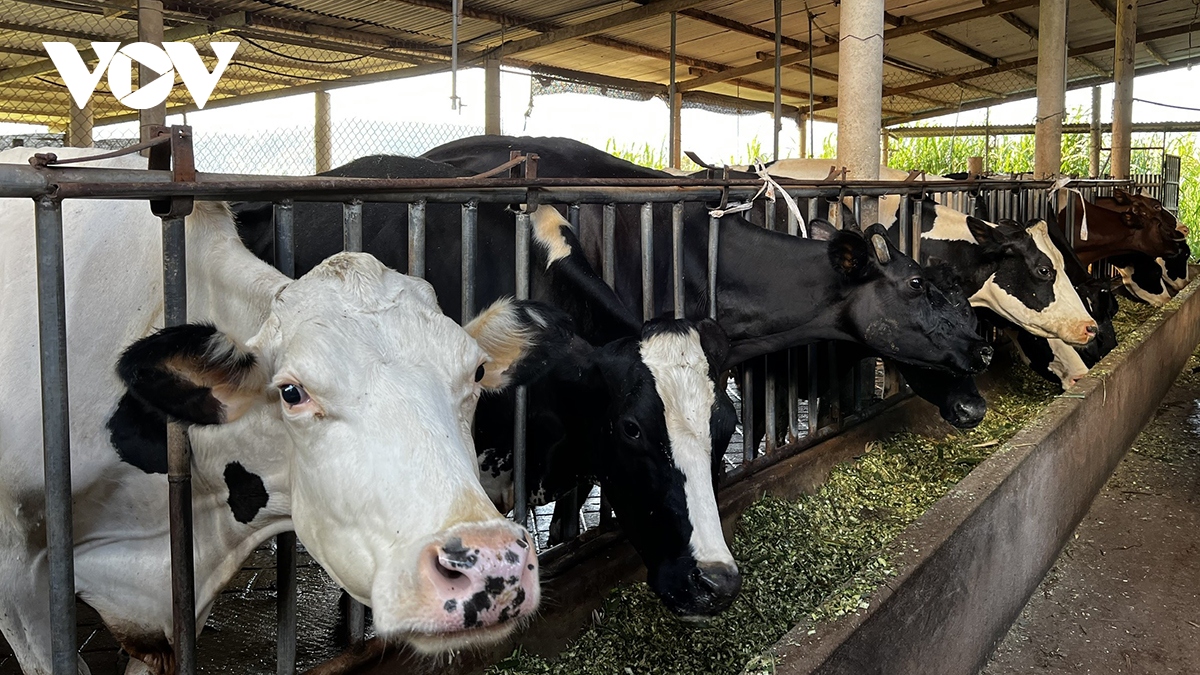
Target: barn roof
(940,55)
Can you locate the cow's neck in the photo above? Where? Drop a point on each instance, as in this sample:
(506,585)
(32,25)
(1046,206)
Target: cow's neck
(774,291)
(1103,240)
(227,285)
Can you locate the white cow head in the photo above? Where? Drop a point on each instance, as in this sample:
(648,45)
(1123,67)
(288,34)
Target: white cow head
(370,390)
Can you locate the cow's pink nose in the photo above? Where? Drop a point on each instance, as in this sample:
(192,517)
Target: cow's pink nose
(482,576)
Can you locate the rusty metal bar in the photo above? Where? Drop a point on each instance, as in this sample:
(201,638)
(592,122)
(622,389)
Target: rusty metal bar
(677,258)
(749,447)
(470,236)
(416,238)
(179,462)
(609,237)
(56,433)
(647,233)
(573,218)
(352,238)
(520,490)
(714,239)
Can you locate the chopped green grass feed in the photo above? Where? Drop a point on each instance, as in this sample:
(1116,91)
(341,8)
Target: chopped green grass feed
(810,559)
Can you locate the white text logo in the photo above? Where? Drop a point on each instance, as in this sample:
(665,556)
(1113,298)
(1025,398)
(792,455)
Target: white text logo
(118,61)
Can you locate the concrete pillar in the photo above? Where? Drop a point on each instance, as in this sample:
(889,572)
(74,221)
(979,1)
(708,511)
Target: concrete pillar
(491,96)
(1051,87)
(674,102)
(802,123)
(887,151)
(1122,124)
(777,111)
(79,127)
(150,29)
(860,93)
(1097,139)
(323,132)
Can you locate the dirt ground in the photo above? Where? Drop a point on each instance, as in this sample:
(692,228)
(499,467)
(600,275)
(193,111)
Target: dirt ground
(1124,595)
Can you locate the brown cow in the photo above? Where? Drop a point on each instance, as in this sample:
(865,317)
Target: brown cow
(1125,223)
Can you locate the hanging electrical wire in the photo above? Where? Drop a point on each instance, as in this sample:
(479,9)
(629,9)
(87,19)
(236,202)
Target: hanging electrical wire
(304,60)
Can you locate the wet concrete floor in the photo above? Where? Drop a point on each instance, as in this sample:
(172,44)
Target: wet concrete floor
(1124,595)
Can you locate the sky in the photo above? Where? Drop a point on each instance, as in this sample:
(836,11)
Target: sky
(595,119)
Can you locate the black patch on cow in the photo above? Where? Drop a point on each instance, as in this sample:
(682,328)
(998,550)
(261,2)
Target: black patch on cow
(511,558)
(247,494)
(459,556)
(450,605)
(139,435)
(494,586)
(477,603)
(154,370)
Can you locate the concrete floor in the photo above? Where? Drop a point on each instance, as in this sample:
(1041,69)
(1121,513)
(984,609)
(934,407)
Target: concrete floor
(1124,595)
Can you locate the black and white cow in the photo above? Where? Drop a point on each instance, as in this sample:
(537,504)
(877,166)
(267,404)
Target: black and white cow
(1055,360)
(338,404)
(773,291)
(634,407)
(1153,280)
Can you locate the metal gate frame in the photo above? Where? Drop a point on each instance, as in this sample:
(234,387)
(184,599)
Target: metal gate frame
(172,184)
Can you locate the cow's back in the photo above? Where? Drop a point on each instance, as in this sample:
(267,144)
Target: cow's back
(112,267)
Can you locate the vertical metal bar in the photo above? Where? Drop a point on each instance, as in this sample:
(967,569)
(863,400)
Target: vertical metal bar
(677,257)
(285,603)
(610,244)
(714,238)
(356,621)
(905,225)
(672,132)
(352,225)
(285,542)
(858,212)
(520,492)
(470,228)
(777,121)
(793,225)
(814,209)
(573,218)
(814,395)
(769,215)
(285,238)
(1070,219)
(647,232)
(56,428)
(416,238)
(812,129)
(769,403)
(916,226)
(179,461)
(748,444)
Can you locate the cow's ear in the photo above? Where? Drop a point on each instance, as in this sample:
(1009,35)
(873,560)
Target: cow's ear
(715,343)
(193,373)
(983,233)
(521,338)
(822,230)
(850,254)
(1121,197)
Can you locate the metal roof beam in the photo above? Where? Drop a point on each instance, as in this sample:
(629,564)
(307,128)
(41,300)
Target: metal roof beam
(220,24)
(1020,24)
(595,26)
(914,28)
(1027,129)
(1112,16)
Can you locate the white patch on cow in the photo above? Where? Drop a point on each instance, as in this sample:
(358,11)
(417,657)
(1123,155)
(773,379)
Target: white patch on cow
(680,371)
(547,232)
(1064,318)
(1067,364)
(1172,282)
(501,333)
(1154,299)
(950,225)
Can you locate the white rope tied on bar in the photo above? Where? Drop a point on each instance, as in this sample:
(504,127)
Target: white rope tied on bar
(1061,184)
(768,190)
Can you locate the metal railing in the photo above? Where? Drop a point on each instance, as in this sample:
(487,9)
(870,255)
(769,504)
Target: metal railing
(172,184)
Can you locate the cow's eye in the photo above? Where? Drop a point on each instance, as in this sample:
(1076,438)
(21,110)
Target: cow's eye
(917,284)
(479,374)
(1044,272)
(631,429)
(292,394)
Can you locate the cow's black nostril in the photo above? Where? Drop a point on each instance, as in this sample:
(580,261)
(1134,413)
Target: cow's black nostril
(985,355)
(1092,329)
(718,579)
